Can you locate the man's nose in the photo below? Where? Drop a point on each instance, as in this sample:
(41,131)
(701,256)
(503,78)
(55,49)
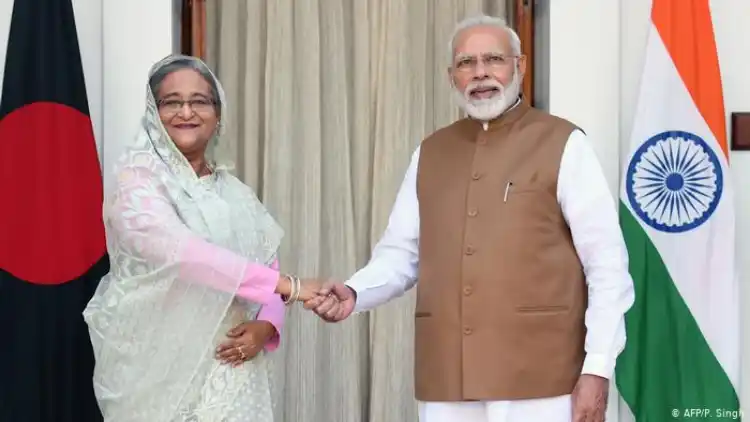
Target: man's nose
(480,72)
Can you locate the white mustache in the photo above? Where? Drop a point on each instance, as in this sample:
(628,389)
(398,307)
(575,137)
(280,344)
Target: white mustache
(483,85)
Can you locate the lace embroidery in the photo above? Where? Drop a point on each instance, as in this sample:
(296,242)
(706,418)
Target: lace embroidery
(154,320)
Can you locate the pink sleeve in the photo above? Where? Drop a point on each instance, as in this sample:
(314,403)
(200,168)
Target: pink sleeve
(217,267)
(275,313)
(144,218)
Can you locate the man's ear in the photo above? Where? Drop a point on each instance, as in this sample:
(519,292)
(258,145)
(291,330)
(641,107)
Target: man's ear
(521,66)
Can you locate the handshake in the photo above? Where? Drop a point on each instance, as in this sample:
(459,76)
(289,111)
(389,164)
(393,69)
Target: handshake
(331,301)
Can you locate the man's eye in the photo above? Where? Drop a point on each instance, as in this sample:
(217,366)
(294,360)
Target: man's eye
(496,59)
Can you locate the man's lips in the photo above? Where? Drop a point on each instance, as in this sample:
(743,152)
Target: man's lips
(484,91)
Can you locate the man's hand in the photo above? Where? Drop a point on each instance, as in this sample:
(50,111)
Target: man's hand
(589,398)
(334,303)
(245,342)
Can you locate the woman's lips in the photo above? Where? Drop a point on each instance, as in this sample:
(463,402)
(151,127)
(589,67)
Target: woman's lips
(186,126)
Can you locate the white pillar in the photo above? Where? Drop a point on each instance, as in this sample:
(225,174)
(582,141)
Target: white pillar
(584,85)
(136,34)
(584,60)
(89,27)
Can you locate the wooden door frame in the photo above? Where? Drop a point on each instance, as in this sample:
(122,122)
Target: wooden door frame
(193,28)
(521,17)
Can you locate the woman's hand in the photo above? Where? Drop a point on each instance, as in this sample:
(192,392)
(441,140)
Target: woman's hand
(308,288)
(245,342)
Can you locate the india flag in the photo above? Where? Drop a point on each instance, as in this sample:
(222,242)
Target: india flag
(677,212)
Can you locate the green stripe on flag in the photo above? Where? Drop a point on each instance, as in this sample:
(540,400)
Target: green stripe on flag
(667,365)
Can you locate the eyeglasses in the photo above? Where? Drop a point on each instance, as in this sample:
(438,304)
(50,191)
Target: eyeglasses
(492,61)
(197,105)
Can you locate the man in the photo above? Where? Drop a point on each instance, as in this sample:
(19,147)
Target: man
(507,221)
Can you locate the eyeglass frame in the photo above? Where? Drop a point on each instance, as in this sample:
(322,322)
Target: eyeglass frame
(484,59)
(191,104)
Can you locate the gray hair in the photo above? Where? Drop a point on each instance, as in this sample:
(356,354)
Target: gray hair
(157,78)
(484,20)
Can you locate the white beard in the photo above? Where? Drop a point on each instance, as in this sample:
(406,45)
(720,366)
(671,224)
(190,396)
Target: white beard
(490,108)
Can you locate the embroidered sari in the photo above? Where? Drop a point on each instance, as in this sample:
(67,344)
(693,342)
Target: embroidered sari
(181,247)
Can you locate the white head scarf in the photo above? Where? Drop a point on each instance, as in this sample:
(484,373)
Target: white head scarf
(155,319)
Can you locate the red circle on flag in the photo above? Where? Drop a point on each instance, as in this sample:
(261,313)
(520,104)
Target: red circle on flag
(51,229)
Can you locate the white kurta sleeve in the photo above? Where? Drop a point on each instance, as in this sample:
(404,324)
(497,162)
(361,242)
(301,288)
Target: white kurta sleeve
(392,269)
(591,214)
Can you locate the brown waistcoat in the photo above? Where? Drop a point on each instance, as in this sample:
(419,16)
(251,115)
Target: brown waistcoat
(501,295)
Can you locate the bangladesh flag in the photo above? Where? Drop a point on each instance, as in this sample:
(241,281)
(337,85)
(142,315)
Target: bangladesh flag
(681,361)
(52,247)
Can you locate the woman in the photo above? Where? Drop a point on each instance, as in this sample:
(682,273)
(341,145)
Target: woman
(193,257)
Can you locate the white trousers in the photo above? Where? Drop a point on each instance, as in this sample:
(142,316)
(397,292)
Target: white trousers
(553,409)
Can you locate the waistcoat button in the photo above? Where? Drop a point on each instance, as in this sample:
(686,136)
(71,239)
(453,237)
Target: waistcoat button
(476,175)
(468,290)
(473,212)
(467,331)
(470,250)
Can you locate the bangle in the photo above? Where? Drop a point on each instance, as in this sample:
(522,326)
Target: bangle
(287,298)
(297,289)
(294,289)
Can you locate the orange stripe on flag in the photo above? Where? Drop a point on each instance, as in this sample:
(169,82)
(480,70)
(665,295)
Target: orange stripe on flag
(686,29)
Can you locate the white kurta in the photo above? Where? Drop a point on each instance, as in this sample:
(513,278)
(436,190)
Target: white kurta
(589,208)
